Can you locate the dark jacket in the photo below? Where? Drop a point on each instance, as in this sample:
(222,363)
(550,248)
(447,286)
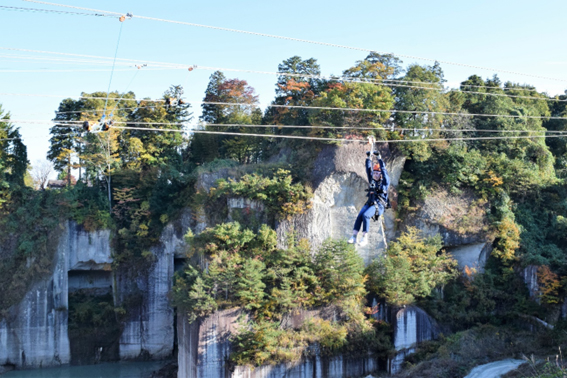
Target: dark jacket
(380,190)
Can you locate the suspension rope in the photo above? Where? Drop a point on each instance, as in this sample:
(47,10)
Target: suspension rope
(69,122)
(299,40)
(384,82)
(319,108)
(51,11)
(112,71)
(186,66)
(337,139)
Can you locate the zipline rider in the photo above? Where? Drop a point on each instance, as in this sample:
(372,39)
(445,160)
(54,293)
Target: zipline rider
(379,182)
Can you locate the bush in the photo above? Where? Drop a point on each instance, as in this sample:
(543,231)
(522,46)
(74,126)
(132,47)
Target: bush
(281,197)
(247,269)
(411,268)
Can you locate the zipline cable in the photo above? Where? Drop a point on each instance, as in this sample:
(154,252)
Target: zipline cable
(338,139)
(337,128)
(112,71)
(384,82)
(555,133)
(186,66)
(319,108)
(50,11)
(298,40)
(124,93)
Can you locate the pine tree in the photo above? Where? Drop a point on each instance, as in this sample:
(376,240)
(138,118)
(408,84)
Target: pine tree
(250,287)
(13,157)
(64,141)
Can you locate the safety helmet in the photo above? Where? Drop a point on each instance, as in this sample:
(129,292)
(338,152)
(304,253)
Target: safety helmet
(376,167)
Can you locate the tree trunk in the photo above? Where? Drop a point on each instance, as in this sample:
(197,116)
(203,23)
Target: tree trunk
(109,194)
(69,172)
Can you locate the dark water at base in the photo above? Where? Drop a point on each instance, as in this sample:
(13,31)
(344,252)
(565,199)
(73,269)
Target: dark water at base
(107,370)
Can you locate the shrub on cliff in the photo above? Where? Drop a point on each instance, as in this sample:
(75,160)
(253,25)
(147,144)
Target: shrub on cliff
(281,197)
(411,268)
(248,270)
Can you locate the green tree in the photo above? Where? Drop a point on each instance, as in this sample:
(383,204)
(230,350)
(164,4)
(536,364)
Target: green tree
(141,148)
(65,136)
(192,294)
(423,95)
(522,163)
(351,95)
(340,270)
(375,67)
(295,91)
(235,105)
(558,146)
(412,267)
(13,158)
(249,286)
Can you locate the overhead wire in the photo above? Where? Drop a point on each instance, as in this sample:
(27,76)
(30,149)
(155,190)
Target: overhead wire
(112,70)
(298,40)
(384,82)
(321,108)
(21,9)
(71,122)
(334,139)
(194,129)
(186,66)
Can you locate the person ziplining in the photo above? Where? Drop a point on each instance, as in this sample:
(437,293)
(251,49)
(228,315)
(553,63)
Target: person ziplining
(379,182)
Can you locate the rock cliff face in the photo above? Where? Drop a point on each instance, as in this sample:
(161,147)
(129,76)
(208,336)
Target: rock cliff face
(88,250)
(204,349)
(204,345)
(459,218)
(530,278)
(34,334)
(148,331)
(412,326)
(339,180)
(315,367)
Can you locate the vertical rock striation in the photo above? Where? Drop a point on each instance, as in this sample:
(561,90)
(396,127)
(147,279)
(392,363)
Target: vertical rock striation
(412,325)
(314,367)
(204,345)
(88,250)
(34,334)
(530,278)
(148,329)
(204,349)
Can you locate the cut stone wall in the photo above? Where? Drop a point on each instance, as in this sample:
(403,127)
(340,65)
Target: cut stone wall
(412,326)
(148,329)
(34,334)
(204,349)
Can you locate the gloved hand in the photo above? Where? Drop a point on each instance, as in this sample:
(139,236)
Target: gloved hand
(368,153)
(377,154)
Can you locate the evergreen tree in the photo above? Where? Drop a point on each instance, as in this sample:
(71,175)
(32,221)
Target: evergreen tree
(143,148)
(295,91)
(375,67)
(249,287)
(412,267)
(241,110)
(13,158)
(65,137)
(421,102)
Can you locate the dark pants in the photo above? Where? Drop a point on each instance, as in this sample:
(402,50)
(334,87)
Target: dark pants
(364,216)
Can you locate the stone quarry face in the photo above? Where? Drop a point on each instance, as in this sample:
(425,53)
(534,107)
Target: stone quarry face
(35,334)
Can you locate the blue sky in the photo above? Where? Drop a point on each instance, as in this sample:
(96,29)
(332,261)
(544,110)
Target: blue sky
(520,36)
